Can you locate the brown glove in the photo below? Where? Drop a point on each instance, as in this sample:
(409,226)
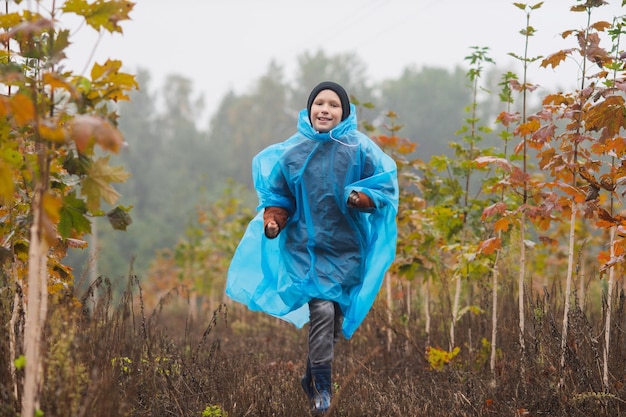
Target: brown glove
(274,219)
(360,200)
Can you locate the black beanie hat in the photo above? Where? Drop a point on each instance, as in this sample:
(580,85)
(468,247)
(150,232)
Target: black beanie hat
(329,85)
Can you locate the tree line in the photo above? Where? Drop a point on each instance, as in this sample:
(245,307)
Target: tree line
(176,164)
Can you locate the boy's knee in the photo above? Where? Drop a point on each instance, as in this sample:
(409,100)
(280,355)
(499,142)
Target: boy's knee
(322,310)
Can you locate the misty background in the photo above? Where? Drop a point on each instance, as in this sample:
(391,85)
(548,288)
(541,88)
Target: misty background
(219,81)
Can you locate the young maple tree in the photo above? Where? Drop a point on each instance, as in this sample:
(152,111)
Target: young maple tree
(56,131)
(578,140)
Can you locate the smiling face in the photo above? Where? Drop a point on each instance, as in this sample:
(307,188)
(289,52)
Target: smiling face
(326,111)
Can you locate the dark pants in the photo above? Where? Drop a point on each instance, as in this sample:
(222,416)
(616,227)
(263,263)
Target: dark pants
(325,320)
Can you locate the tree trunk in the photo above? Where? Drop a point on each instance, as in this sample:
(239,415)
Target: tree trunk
(36,310)
(389,312)
(426,293)
(609,312)
(93,258)
(13,339)
(455,310)
(568,290)
(408,300)
(494,318)
(521,285)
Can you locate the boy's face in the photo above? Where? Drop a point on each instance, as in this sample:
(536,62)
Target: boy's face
(326,111)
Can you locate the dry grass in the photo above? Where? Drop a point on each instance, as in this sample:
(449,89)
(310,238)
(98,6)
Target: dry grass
(119,360)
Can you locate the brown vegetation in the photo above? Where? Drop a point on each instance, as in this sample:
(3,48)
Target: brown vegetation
(120,360)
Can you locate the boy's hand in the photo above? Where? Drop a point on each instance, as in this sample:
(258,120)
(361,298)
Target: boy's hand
(359,200)
(272,229)
(353,199)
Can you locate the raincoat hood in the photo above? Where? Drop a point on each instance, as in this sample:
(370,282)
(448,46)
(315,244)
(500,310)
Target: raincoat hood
(306,128)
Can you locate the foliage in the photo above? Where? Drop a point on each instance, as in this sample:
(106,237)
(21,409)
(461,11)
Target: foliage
(429,103)
(438,358)
(210,365)
(461,215)
(174,162)
(214,411)
(200,260)
(56,131)
(52,125)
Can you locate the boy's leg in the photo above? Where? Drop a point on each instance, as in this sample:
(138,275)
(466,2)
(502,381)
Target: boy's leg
(324,329)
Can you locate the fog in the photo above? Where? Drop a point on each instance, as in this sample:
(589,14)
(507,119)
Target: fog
(224,45)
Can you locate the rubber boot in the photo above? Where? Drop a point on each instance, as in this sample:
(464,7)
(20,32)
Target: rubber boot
(322,389)
(307,382)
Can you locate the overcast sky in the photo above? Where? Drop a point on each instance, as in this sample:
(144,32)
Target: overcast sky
(227,44)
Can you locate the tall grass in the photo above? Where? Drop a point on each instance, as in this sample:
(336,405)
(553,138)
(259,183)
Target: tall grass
(115,358)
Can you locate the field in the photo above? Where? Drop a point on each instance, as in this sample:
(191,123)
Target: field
(118,359)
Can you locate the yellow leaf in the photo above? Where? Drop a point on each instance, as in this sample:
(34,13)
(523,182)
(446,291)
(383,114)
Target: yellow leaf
(22,109)
(105,14)
(55,81)
(49,130)
(6,183)
(10,20)
(52,206)
(111,66)
(438,358)
(97,185)
(5,107)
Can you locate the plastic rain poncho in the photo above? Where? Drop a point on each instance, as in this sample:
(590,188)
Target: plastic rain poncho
(326,250)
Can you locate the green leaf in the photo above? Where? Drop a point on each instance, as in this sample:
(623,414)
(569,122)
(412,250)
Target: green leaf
(20,362)
(60,43)
(102,13)
(73,217)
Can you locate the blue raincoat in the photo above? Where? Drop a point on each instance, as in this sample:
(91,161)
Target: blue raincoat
(326,250)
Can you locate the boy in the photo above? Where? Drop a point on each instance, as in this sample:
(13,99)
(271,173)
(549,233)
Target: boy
(319,248)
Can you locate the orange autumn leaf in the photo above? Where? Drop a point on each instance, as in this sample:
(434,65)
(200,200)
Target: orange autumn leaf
(607,116)
(489,246)
(601,26)
(556,58)
(528,128)
(603,257)
(385,140)
(604,224)
(502,225)
(557,100)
